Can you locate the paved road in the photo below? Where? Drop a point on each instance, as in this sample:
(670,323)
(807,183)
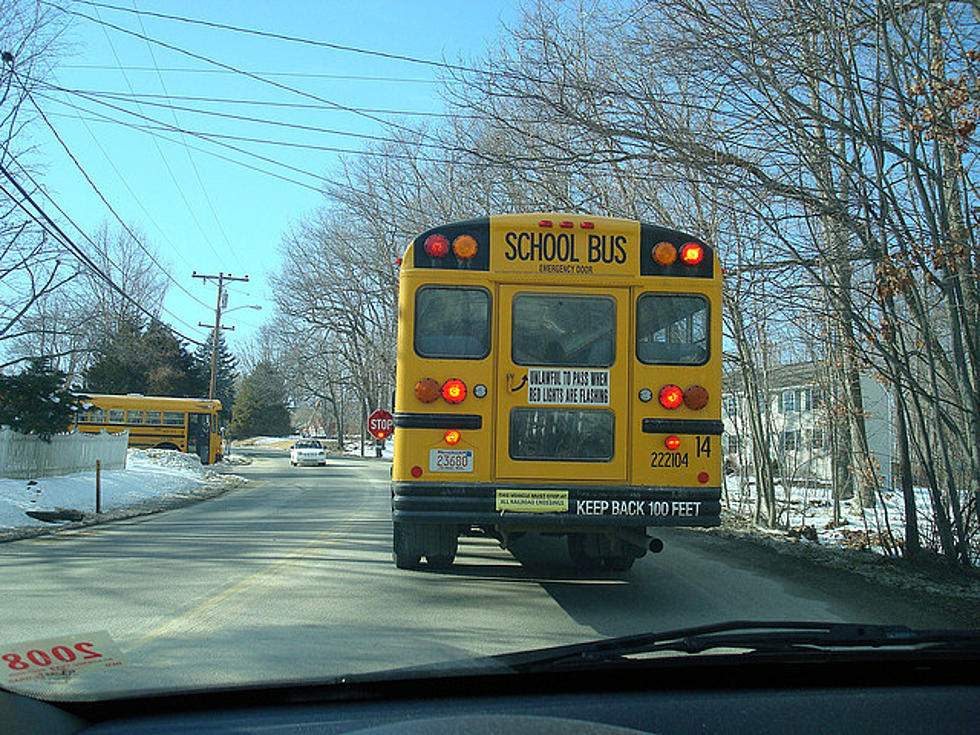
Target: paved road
(291,577)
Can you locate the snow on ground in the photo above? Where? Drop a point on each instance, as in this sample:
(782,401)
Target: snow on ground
(880,529)
(152,477)
(353,448)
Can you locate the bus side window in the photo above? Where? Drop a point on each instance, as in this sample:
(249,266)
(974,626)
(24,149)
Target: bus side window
(452,322)
(672,329)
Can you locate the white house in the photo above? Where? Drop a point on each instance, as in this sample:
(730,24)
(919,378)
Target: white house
(799,420)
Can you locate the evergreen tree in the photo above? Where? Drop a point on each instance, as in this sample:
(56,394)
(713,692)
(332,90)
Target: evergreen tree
(260,407)
(36,401)
(151,361)
(225,374)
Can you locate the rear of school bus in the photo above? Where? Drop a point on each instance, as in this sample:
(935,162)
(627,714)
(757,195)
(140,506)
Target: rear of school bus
(557,374)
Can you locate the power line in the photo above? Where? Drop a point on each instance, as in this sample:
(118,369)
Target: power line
(99,193)
(282,37)
(52,228)
(239,118)
(122,96)
(190,159)
(229,67)
(95,245)
(297,74)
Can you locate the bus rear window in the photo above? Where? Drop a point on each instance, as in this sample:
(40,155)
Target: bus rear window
(563,330)
(452,322)
(672,329)
(584,435)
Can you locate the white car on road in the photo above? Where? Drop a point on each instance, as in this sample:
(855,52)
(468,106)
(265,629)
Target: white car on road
(307,451)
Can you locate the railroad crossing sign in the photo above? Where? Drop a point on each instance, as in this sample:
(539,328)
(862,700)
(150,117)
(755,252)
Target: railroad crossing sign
(381,424)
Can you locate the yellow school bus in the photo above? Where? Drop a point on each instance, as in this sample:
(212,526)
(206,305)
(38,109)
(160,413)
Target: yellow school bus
(559,374)
(186,424)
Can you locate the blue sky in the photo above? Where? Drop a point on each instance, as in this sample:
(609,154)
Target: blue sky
(200,212)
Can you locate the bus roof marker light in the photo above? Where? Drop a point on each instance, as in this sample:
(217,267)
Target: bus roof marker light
(671,396)
(566,223)
(454,390)
(546,223)
(692,253)
(427,390)
(437,246)
(587,225)
(664,253)
(452,437)
(465,247)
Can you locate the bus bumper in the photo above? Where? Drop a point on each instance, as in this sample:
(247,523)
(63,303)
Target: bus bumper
(554,508)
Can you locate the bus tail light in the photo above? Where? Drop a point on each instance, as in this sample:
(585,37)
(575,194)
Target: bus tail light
(696,397)
(703,478)
(452,437)
(465,247)
(416,471)
(427,390)
(672,443)
(664,253)
(437,246)
(671,396)
(454,390)
(692,253)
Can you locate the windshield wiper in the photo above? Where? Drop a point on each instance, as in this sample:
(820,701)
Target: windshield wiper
(745,636)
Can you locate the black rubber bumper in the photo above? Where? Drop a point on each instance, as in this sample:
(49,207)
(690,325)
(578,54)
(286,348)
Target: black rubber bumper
(586,506)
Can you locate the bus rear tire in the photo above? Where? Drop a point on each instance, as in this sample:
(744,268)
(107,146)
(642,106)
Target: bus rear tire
(406,547)
(619,562)
(583,548)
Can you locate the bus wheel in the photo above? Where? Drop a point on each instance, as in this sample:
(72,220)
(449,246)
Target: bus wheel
(406,546)
(584,550)
(619,562)
(442,542)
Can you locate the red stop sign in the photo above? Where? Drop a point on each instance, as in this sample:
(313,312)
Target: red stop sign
(381,424)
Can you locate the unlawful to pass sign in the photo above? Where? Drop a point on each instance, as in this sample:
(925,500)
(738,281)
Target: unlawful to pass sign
(381,424)
(568,386)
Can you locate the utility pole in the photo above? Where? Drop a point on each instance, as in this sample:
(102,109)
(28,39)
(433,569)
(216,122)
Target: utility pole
(220,278)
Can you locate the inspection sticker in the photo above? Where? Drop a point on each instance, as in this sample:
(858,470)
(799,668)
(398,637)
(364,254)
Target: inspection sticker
(532,501)
(57,658)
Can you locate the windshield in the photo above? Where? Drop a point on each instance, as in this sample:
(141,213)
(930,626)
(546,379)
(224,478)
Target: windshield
(531,323)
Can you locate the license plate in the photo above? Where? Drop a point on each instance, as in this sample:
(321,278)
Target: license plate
(450,460)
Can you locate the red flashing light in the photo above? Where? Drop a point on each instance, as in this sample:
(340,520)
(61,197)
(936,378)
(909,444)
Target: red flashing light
(692,253)
(437,246)
(672,442)
(454,390)
(452,437)
(416,471)
(703,478)
(546,223)
(671,396)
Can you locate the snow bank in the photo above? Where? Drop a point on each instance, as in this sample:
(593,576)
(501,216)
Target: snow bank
(153,477)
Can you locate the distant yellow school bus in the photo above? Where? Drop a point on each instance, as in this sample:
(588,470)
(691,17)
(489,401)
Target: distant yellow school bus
(186,424)
(560,374)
